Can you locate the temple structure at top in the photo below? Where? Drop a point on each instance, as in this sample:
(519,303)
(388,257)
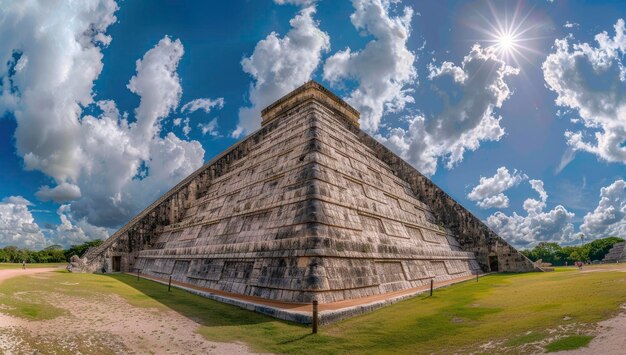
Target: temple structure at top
(307,207)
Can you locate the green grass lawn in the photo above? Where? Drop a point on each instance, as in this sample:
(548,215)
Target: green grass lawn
(30,266)
(513,309)
(569,343)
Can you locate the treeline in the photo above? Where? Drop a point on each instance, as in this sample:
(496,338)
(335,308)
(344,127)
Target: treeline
(51,254)
(557,255)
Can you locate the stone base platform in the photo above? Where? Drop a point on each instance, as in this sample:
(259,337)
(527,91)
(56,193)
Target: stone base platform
(302,313)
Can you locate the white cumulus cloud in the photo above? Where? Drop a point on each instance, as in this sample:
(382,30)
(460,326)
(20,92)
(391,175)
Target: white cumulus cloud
(17,225)
(591,80)
(536,206)
(209,128)
(186,127)
(69,233)
(465,120)
(609,217)
(110,165)
(203,104)
(296,2)
(158,85)
(489,191)
(118,179)
(60,193)
(17,200)
(279,65)
(50,55)
(496,201)
(538,225)
(383,69)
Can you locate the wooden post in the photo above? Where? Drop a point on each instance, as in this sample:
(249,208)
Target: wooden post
(137,274)
(169,285)
(432,284)
(476,277)
(314,317)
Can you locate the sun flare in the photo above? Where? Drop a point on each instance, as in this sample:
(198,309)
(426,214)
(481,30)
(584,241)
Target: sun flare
(507,40)
(506,43)
(509,35)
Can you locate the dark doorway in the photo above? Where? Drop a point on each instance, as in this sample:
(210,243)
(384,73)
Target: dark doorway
(117,263)
(493,263)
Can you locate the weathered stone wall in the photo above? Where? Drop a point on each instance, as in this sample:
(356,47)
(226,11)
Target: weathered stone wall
(616,254)
(307,92)
(284,223)
(472,234)
(171,207)
(308,207)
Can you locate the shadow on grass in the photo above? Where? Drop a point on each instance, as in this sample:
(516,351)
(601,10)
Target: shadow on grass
(202,310)
(293,340)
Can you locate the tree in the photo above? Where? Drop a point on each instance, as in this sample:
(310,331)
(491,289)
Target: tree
(600,247)
(51,254)
(54,247)
(556,255)
(548,252)
(81,249)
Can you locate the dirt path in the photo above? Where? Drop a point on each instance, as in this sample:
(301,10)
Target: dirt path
(9,273)
(621,267)
(101,324)
(611,338)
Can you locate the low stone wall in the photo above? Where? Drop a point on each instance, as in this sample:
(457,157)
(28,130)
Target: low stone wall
(304,317)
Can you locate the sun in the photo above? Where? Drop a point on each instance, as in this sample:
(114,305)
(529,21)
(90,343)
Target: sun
(506,43)
(507,39)
(509,35)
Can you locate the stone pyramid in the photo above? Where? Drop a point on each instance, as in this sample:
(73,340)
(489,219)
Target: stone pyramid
(617,253)
(307,207)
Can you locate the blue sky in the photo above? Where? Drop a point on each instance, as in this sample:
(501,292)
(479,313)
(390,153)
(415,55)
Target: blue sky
(528,133)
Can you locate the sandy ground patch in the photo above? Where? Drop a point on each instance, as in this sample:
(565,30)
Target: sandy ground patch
(621,267)
(9,273)
(104,324)
(611,338)
(611,333)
